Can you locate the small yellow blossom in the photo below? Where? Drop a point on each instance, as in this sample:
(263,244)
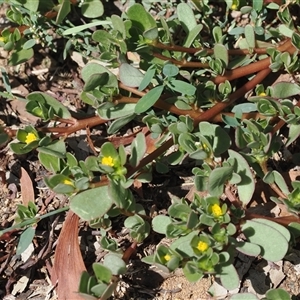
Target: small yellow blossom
(108,161)
(167,257)
(234,7)
(68,182)
(2,39)
(262,94)
(202,246)
(205,147)
(202,146)
(216,210)
(31,137)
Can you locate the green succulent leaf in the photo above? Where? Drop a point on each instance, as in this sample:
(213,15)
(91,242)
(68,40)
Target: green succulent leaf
(221,52)
(182,245)
(294,132)
(91,204)
(246,186)
(98,290)
(277,294)
(217,179)
(25,240)
(148,100)
(248,248)
(92,8)
(102,273)
(141,19)
(95,80)
(59,109)
(182,87)
(217,136)
(186,17)
(115,264)
(63,11)
(160,223)
(138,149)
(284,90)
(19,56)
(118,111)
(273,243)
(130,76)
(250,35)
(229,277)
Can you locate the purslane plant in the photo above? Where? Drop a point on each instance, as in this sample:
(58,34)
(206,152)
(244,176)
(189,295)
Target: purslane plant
(177,87)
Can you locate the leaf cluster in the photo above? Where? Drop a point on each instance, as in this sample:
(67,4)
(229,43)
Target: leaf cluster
(177,77)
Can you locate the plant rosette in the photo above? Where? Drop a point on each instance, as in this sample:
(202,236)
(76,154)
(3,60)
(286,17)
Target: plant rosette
(111,162)
(28,140)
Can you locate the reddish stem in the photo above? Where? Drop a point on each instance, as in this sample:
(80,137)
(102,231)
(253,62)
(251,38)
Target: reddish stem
(129,251)
(78,125)
(285,221)
(209,51)
(254,67)
(183,63)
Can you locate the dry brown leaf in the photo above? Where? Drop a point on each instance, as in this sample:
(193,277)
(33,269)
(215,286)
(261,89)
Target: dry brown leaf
(138,188)
(27,190)
(68,263)
(18,107)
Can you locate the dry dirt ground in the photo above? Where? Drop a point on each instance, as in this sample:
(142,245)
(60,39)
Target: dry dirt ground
(28,277)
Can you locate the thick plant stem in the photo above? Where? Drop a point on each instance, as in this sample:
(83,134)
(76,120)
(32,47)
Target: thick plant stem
(209,51)
(78,125)
(182,63)
(284,221)
(254,67)
(161,104)
(219,107)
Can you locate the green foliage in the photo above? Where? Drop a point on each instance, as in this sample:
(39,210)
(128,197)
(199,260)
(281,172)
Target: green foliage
(25,240)
(178,77)
(88,205)
(26,218)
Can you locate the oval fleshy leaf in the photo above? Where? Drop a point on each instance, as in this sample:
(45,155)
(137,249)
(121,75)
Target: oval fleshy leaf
(115,263)
(274,245)
(229,277)
(92,8)
(248,248)
(91,204)
(25,240)
(217,179)
(59,109)
(130,76)
(246,186)
(284,89)
(149,99)
(160,223)
(140,18)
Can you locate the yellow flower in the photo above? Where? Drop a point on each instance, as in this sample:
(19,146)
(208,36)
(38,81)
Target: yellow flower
(262,94)
(202,246)
(2,39)
(234,7)
(31,137)
(216,210)
(205,147)
(108,161)
(202,146)
(167,257)
(68,182)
